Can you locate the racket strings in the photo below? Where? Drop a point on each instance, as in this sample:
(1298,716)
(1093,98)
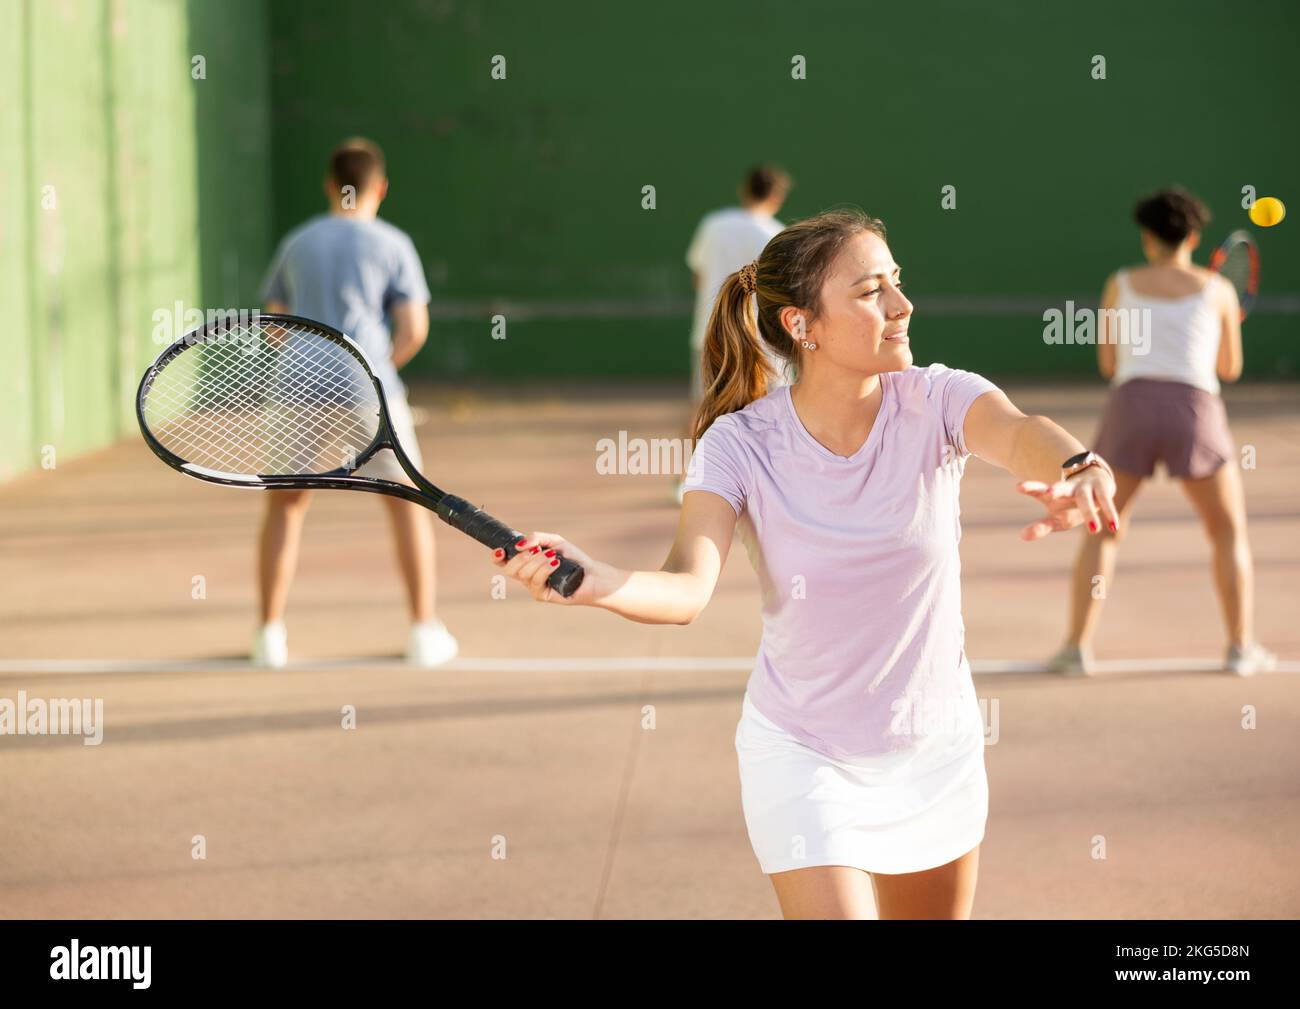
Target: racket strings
(310,413)
(264,399)
(232,427)
(1236,268)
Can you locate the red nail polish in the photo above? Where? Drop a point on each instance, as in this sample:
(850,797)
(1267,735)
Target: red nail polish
(522,541)
(550,553)
(554,563)
(1092,526)
(534,550)
(498,552)
(1114,527)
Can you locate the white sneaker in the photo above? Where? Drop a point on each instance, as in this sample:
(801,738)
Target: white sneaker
(1070,661)
(271,646)
(431,644)
(1252,659)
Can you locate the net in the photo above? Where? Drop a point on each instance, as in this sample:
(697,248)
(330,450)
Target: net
(264,398)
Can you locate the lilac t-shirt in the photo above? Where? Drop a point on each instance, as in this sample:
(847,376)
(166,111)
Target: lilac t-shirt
(863,642)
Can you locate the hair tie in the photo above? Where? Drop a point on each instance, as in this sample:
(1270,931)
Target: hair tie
(749,277)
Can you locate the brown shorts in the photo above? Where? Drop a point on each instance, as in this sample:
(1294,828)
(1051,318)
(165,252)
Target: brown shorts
(1149,421)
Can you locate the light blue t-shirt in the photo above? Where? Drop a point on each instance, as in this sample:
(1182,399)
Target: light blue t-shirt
(347,272)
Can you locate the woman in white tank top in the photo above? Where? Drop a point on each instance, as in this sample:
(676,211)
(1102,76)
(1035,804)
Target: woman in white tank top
(1176,333)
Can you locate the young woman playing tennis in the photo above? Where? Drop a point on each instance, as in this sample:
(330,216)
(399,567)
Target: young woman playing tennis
(861,743)
(1164,407)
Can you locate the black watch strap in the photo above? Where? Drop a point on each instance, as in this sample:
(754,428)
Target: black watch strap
(1078,463)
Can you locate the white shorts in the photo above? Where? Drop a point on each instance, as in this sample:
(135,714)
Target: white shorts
(895,813)
(384,465)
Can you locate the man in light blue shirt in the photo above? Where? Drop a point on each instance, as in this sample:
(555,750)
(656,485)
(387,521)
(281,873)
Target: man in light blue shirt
(350,270)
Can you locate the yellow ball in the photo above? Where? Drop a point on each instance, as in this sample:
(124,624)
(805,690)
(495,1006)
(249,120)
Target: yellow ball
(1267,211)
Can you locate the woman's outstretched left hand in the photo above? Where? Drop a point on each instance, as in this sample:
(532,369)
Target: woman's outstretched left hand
(1087,497)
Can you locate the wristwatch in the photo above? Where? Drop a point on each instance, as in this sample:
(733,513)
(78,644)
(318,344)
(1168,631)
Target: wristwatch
(1080,462)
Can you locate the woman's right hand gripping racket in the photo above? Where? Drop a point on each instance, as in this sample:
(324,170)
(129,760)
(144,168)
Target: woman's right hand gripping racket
(272,401)
(530,566)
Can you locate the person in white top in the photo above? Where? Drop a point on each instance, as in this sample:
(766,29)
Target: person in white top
(724,241)
(1164,407)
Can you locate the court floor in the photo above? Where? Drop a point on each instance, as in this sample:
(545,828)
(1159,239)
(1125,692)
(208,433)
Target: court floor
(521,780)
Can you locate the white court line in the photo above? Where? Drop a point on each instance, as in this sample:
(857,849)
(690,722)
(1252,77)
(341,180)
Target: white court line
(582,664)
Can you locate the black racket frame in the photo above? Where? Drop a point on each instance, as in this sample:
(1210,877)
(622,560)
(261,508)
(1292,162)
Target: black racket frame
(455,511)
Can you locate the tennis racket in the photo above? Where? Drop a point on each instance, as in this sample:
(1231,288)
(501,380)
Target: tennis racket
(271,401)
(1237,259)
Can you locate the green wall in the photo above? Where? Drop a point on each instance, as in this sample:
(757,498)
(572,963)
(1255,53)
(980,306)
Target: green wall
(528,189)
(127,182)
(17,412)
(232,130)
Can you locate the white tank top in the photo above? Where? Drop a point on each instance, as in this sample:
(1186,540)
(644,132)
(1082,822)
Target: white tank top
(1183,338)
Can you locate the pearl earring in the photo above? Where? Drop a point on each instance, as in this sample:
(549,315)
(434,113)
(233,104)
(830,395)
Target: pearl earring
(808,346)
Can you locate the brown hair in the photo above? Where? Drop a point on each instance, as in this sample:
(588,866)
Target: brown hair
(762,181)
(791,271)
(357,163)
(1171,214)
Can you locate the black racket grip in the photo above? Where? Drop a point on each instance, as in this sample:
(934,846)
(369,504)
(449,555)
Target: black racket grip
(460,514)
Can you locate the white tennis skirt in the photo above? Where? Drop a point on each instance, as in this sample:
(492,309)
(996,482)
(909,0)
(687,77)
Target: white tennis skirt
(896,813)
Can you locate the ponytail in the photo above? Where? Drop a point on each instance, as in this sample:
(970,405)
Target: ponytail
(735,369)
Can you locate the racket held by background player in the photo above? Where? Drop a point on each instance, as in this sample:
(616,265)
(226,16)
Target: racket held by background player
(1237,259)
